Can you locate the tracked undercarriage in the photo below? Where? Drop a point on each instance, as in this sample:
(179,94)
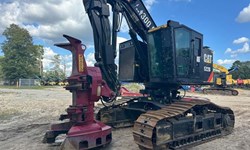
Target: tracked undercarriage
(220,91)
(183,123)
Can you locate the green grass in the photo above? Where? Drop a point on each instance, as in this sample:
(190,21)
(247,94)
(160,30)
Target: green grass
(133,87)
(25,87)
(8,114)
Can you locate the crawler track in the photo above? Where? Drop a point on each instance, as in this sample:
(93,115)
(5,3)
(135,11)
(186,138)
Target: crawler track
(182,124)
(221,91)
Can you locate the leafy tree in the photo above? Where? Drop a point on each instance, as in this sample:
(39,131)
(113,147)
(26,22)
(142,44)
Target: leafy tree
(21,55)
(56,61)
(56,73)
(1,71)
(39,62)
(243,71)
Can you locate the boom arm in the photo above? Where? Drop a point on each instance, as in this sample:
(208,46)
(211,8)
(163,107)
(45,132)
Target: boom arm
(220,68)
(223,69)
(105,38)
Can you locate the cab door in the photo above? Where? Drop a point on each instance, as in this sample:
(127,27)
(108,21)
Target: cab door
(183,52)
(196,52)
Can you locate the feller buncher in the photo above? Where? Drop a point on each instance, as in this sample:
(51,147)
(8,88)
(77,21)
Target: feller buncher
(162,58)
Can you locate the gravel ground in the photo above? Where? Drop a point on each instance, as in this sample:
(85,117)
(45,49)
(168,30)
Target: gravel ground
(25,115)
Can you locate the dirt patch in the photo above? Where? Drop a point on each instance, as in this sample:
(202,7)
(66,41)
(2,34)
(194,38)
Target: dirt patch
(25,115)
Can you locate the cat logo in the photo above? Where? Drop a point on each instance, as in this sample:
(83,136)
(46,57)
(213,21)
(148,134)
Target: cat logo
(207,58)
(80,63)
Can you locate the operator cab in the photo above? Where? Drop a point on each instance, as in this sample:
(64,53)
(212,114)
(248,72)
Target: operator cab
(175,56)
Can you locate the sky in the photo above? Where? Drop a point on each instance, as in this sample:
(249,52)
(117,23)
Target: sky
(225,24)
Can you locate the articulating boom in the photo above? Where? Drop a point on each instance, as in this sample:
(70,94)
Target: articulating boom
(105,38)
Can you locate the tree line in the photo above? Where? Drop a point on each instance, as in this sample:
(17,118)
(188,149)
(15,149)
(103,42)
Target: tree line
(23,59)
(242,71)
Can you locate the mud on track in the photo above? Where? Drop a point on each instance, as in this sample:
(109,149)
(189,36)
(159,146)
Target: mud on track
(25,115)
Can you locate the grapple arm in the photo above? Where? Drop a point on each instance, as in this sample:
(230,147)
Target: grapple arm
(105,36)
